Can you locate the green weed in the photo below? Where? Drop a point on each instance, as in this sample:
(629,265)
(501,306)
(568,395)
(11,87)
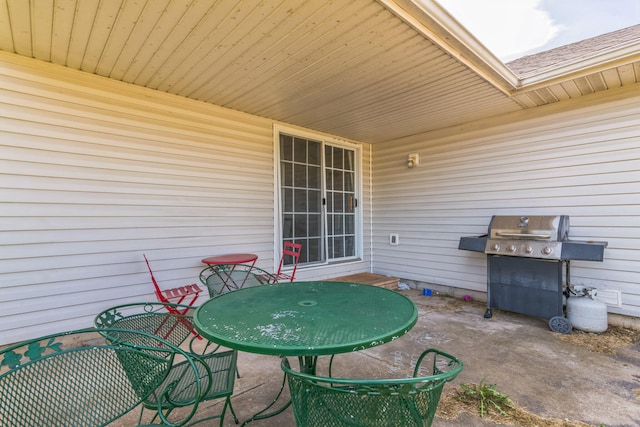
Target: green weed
(488,398)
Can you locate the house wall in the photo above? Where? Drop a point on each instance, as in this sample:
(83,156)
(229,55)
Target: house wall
(580,159)
(94,173)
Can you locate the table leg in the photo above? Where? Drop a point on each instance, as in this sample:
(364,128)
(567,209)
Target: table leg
(307,365)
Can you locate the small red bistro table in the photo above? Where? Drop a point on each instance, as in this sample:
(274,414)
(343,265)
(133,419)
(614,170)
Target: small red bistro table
(224,265)
(230,259)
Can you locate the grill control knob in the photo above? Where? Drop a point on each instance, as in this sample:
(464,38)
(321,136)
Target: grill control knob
(511,248)
(528,249)
(547,250)
(495,247)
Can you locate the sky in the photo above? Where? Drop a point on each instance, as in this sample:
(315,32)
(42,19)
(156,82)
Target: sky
(512,29)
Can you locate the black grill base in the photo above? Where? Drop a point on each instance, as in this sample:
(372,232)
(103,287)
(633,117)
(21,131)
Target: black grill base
(528,286)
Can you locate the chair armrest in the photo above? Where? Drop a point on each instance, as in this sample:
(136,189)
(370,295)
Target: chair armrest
(440,363)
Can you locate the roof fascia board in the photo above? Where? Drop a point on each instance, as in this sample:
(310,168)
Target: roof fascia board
(431,20)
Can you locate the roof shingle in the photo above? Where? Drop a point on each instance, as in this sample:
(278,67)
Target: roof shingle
(554,58)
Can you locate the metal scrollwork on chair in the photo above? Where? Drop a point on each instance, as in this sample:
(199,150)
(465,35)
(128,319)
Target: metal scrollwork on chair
(88,377)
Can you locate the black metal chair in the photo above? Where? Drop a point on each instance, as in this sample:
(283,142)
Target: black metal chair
(88,377)
(215,368)
(341,402)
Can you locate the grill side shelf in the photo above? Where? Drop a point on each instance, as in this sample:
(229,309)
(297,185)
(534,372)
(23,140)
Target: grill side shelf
(473,243)
(584,251)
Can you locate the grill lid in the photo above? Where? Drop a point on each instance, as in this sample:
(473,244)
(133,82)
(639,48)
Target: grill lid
(543,227)
(527,236)
(543,237)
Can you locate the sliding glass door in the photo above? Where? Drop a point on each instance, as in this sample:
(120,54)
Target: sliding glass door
(318,194)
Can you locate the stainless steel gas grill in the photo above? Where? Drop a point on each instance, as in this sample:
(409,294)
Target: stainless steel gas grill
(525,260)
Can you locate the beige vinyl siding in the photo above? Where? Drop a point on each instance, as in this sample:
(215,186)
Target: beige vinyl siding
(584,163)
(94,173)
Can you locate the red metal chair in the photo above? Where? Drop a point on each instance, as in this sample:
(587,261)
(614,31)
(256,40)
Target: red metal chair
(175,295)
(292,250)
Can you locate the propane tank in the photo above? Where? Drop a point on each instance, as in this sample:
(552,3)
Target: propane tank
(585,313)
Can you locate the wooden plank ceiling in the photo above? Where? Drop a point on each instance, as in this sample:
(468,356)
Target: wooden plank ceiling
(359,69)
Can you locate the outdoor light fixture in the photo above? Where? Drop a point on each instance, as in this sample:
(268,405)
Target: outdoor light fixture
(413,160)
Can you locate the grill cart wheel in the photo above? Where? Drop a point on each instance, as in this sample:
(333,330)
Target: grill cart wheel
(560,325)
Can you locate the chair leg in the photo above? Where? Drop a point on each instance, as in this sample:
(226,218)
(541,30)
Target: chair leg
(331,364)
(227,404)
(235,417)
(155,416)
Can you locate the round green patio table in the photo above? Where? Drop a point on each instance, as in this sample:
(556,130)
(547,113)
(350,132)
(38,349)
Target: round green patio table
(306,318)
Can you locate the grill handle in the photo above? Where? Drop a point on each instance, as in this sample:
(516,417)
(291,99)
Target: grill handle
(529,235)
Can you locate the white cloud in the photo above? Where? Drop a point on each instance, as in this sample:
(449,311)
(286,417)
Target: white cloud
(508,28)
(514,28)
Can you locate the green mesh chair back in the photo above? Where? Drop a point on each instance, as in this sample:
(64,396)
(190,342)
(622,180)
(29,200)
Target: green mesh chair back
(220,279)
(87,377)
(217,374)
(215,370)
(336,402)
(152,318)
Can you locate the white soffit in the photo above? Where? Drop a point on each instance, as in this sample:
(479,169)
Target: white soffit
(360,69)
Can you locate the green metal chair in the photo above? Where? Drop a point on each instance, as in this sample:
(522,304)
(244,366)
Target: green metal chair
(87,377)
(215,369)
(220,279)
(332,402)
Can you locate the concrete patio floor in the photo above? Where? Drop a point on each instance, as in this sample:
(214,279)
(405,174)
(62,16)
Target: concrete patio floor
(519,354)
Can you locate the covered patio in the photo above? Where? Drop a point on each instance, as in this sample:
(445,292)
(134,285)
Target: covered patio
(162,128)
(564,383)
(166,128)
